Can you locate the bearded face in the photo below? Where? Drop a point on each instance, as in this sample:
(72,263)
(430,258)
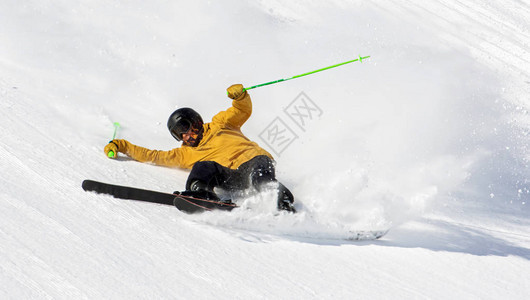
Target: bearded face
(193,136)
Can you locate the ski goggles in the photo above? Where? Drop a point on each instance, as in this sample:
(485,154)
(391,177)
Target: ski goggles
(181,127)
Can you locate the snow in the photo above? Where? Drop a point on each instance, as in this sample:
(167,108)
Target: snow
(427,137)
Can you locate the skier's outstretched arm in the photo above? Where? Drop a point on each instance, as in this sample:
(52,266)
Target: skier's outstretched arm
(171,158)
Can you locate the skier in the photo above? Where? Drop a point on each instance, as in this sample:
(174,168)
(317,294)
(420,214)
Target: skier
(218,153)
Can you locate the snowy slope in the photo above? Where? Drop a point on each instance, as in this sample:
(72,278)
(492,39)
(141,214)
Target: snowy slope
(428,137)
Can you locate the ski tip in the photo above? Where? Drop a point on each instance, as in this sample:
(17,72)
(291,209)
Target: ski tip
(84,184)
(88,185)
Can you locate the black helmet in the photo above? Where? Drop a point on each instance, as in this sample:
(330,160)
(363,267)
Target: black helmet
(181,120)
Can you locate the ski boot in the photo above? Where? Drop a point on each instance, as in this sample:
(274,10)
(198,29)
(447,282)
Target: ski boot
(200,190)
(285,199)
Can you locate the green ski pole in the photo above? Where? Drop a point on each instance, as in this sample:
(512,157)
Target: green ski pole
(111,153)
(360,59)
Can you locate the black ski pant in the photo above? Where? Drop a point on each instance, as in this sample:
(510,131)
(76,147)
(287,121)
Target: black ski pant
(255,172)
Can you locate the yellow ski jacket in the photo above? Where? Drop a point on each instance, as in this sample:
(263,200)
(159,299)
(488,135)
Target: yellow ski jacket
(222,142)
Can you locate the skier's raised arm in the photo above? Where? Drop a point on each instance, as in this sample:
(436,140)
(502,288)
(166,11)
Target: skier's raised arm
(241,109)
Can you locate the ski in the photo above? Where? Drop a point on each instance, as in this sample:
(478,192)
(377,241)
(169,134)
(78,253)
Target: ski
(185,203)
(366,235)
(190,204)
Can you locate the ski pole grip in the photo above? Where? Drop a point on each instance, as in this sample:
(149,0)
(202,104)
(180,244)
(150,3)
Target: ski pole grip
(111,153)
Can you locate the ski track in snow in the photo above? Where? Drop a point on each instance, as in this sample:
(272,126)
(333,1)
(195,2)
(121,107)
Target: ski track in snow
(439,153)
